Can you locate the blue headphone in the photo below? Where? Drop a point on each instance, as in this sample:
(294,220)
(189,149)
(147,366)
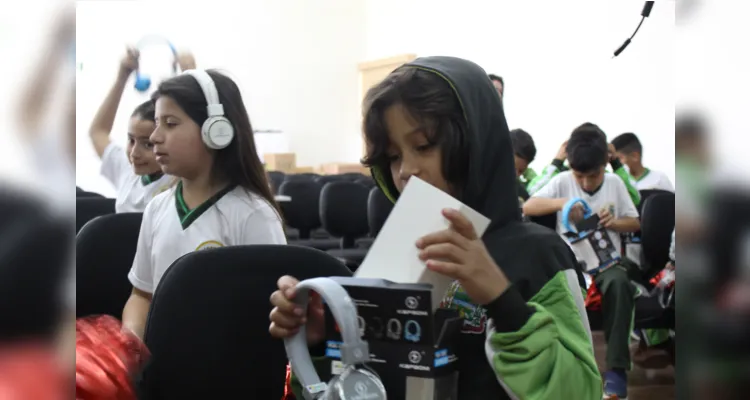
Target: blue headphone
(566,214)
(412,331)
(143,81)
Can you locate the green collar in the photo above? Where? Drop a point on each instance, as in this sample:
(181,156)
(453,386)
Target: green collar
(186,215)
(151,178)
(645,173)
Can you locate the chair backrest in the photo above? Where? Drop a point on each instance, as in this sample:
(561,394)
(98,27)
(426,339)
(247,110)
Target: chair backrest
(276,178)
(366,181)
(322,180)
(105,249)
(88,208)
(207,329)
(378,209)
(303,212)
(353,176)
(657,224)
(302,176)
(82,193)
(343,211)
(645,194)
(35,260)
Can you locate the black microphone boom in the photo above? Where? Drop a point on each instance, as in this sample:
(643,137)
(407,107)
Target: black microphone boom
(644,14)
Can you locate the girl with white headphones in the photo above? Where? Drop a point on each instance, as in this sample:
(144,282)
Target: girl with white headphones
(133,171)
(204,138)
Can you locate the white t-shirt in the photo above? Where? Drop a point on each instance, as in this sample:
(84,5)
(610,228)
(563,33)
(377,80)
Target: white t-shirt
(133,192)
(168,231)
(654,180)
(612,195)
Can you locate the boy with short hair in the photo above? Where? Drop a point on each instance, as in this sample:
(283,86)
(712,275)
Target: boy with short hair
(630,152)
(524,152)
(558,165)
(606,194)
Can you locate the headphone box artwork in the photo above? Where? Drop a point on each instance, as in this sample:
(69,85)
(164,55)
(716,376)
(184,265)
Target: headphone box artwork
(412,348)
(589,240)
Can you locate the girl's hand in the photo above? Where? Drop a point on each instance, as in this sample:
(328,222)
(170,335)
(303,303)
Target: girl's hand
(457,252)
(129,62)
(185,60)
(287,317)
(562,152)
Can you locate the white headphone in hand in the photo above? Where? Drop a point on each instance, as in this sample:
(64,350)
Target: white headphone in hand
(356,381)
(217,132)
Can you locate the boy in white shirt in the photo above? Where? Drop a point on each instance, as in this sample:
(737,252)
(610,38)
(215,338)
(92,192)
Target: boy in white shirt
(630,151)
(607,195)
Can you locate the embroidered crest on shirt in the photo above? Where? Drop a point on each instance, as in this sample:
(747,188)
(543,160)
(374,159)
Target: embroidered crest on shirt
(209,244)
(475,317)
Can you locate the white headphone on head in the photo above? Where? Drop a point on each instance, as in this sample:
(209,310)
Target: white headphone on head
(217,132)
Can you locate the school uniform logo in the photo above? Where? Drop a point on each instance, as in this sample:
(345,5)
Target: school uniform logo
(475,317)
(209,244)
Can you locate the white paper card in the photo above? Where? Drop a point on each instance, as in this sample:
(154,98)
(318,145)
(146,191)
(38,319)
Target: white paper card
(394,255)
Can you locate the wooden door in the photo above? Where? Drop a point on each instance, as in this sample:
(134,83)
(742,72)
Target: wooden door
(373,72)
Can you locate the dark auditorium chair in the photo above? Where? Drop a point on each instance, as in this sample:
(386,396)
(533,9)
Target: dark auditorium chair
(378,209)
(88,208)
(82,193)
(645,194)
(35,265)
(207,329)
(343,212)
(105,249)
(366,181)
(276,178)
(657,225)
(322,180)
(353,176)
(303,176)
(303,212)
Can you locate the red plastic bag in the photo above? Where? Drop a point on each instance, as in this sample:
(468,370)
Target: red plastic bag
(32,371)
(106,359)
(288,392)
(593,300)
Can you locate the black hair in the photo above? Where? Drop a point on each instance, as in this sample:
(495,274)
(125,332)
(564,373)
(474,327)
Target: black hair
(430,100)
(523,144)
(690,126)
(497,78)
(145,111)
(238,162)
(628,143)
(587,148)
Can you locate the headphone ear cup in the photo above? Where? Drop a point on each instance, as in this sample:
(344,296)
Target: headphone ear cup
(332,390)
(142,83)
(358,381)
(217,133)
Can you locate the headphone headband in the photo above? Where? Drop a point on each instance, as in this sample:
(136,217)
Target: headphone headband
(353,350)
(215,109)
(566,213)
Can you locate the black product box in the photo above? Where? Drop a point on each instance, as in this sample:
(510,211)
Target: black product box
(412,348)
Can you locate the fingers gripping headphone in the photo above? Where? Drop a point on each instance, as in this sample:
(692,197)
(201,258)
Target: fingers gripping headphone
(217,132)
(356,381)
(143,81)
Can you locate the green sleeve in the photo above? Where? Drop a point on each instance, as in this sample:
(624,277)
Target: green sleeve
(529,175)
(551,356)
(540,181)
(620,171)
